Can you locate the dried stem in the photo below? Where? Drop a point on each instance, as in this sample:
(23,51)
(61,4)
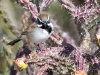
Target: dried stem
(62,55)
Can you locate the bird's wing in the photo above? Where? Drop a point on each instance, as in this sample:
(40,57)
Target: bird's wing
(29,28)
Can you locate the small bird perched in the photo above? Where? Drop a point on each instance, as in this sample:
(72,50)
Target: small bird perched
(38,32)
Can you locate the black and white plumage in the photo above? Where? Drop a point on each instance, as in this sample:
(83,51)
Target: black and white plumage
(38,32)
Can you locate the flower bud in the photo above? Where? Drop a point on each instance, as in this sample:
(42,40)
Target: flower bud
(80,72)
(19,64)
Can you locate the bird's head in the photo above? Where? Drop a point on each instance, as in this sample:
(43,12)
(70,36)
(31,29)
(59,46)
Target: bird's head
(43,21)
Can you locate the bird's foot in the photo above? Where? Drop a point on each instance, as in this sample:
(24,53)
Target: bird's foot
(39,48)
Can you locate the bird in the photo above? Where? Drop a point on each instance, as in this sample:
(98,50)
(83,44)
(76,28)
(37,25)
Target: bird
(37,32)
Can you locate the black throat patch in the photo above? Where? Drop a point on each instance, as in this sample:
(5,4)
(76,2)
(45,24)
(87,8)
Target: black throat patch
(47,28)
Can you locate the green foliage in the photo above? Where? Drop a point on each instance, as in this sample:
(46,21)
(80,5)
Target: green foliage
(4,73)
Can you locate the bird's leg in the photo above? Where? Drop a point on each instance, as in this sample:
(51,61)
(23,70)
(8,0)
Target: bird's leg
(42,46)
(39,48)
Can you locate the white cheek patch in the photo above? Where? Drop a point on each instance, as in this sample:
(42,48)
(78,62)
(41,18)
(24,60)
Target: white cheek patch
(51,25)
(39,25)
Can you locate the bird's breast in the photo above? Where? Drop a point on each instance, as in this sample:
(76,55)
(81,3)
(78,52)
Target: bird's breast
(38,35)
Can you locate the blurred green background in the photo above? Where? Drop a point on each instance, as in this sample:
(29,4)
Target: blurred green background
(10,15)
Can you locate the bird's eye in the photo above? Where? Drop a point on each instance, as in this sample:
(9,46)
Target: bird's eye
(38,21)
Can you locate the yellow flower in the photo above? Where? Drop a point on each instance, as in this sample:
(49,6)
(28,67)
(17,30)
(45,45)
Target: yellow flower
(19,64)
(80,72)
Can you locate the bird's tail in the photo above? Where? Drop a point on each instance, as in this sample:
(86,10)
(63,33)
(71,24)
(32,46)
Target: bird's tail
(14,41)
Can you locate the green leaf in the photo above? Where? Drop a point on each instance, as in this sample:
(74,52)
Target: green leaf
(4,73)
